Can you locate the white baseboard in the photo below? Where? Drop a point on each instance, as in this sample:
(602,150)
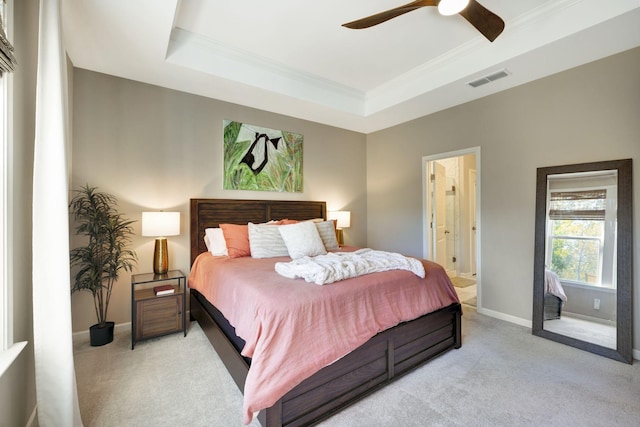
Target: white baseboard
(589,318)
(32,421)
(84,335)
(527,323)
(119,328)
(506,317)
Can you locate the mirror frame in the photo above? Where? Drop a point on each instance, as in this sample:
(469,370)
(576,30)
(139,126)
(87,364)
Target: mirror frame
(624,301)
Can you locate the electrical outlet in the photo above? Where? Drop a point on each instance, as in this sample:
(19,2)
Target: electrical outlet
(596,304)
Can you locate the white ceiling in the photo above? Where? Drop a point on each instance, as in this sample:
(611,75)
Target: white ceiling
(293,57)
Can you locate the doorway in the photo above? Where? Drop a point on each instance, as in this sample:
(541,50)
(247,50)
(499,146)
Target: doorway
(451,218)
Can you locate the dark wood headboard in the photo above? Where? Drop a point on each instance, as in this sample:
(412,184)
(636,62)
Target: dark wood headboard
(209,213)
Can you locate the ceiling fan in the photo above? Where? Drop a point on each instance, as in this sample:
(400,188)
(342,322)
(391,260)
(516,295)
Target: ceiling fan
(485,21)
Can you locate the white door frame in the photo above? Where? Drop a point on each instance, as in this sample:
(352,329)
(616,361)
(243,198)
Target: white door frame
(473,223)
(427,208)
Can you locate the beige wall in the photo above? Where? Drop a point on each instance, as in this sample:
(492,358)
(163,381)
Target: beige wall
(586,114)
(17,385)
(156,148)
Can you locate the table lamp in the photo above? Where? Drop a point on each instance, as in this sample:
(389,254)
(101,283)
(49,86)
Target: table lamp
(160,225)
(343,220)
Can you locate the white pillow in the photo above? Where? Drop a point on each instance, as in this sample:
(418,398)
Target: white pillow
(302,239)
(327,231)
(265,241)
(214,239)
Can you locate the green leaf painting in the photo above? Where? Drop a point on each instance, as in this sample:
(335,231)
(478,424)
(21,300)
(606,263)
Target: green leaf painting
(262,159)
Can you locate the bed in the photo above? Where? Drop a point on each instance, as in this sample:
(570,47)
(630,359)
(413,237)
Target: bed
(380,360)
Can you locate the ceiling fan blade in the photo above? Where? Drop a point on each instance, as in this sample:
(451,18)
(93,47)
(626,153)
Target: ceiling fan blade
(485,21)
(381,17)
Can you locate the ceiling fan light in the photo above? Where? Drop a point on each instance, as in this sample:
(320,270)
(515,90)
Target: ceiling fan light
(451,7)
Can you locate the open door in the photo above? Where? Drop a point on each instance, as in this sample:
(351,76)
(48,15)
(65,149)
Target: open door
(472,221)
(439,216)
(452,218)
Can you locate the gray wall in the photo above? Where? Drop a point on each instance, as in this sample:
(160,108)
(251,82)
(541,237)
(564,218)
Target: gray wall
(17,385)
(156,148)
(580,301)
(586,114)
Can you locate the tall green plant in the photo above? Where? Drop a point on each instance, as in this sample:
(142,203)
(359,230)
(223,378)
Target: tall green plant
(100,261)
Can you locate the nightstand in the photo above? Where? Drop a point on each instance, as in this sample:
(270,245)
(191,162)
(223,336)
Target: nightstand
(155,315)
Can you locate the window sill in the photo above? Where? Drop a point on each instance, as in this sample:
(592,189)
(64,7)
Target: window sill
(604,289)
(9,355)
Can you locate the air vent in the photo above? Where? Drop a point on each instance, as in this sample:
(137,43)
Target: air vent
(489,78)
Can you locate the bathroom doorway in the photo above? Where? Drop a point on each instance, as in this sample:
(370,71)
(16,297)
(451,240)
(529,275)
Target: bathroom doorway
(451,218)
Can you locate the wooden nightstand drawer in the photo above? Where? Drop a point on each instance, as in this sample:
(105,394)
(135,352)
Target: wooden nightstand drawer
(154,315)
(158,316)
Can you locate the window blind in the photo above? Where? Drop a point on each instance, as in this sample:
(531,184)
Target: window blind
(7,58)
(578,205)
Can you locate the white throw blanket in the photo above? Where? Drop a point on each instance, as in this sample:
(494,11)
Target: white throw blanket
(335,266)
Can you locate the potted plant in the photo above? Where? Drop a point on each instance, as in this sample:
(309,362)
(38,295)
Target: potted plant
(104,256)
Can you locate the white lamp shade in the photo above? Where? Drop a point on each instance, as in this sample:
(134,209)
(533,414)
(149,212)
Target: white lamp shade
(160,224)
(451,7)
(343,218)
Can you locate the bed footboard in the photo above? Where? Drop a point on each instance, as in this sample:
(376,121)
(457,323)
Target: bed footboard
(552,307)
(379,361)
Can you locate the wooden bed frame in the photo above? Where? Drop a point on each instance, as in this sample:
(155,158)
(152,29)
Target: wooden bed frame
(379,361)
(552,307)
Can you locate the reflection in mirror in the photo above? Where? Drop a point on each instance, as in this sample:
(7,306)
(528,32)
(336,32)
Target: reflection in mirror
(582,277)
(580,287)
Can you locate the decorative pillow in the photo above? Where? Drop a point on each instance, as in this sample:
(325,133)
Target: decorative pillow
(327,231)
(237,240)
(302,239)
(214,239)
(265,241)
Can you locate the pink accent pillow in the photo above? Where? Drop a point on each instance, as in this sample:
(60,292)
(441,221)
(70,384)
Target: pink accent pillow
(237,239)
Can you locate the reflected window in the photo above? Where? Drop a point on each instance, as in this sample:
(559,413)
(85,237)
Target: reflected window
(581,224)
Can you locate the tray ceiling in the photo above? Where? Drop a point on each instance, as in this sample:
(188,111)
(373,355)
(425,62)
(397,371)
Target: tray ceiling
(293,57)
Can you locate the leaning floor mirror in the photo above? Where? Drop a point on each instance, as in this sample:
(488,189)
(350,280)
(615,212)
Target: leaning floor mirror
(583,262)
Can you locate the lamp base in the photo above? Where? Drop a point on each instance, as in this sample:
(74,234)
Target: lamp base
(339,236)
(161,256)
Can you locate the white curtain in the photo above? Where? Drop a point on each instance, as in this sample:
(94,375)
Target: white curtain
(55,375)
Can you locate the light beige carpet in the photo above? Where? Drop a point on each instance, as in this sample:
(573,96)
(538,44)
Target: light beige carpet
(502,376)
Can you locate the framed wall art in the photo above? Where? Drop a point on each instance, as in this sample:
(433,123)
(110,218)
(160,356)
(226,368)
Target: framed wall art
(262,159)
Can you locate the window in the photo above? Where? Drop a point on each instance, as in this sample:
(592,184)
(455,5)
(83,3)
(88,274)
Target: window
(8,349)
(581,221)
(5,296)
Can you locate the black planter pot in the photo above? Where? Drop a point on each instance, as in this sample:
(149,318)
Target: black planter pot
(101,336)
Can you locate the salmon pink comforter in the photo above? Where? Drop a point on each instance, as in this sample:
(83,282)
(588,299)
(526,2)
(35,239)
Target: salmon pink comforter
(303,326)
